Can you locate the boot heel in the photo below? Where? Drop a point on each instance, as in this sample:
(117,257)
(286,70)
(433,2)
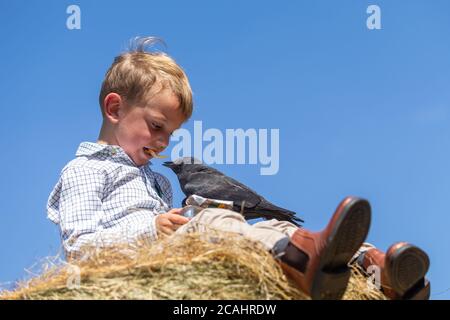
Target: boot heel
(330,284)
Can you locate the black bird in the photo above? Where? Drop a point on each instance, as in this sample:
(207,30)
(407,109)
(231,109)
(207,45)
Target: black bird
(200,179)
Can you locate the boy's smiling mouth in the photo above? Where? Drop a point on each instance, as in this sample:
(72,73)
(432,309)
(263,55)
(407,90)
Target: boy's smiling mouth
(152,152)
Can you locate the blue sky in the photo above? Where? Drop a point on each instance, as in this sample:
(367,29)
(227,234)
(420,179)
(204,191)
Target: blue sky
(361,112)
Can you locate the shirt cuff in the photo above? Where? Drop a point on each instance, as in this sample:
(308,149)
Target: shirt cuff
(153,230)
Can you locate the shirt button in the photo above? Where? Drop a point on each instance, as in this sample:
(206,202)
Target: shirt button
(113,151)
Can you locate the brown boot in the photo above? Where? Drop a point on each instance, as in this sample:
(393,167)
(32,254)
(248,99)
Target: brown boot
(317,261)
(402,269)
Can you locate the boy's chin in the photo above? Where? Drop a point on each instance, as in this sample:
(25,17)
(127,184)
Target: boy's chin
(142,163)
(141,159)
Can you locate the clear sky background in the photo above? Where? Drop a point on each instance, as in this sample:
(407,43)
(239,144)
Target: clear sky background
(361,112)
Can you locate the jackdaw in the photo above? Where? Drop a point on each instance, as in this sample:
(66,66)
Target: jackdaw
(200,179)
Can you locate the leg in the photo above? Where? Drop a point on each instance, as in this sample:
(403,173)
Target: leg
(230,221)
(403,268)
(317,261)
(366,246)
(285,227)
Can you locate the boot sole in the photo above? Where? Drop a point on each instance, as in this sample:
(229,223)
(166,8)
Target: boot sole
(347,236)
(421,291)
(407,268)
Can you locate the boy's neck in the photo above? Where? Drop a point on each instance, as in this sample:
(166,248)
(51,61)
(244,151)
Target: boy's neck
(102,142)
(106,136)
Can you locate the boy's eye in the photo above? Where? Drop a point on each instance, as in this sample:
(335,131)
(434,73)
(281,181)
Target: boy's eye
(156,126)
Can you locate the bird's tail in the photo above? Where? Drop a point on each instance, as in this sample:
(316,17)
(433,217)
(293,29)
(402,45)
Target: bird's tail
(275,212)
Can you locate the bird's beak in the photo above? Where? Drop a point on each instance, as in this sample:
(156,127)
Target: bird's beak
(168,164)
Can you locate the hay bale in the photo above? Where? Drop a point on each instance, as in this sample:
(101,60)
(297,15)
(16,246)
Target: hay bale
(190,266)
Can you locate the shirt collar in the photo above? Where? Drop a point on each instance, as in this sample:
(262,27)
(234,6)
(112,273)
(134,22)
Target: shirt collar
(93,149)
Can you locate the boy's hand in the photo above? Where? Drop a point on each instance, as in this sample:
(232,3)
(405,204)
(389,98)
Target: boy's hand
(167,223)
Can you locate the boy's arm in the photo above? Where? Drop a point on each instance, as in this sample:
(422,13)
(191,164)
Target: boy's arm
(81,214)
(166,188)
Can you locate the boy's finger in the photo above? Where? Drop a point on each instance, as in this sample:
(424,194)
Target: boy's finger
(177,226)
(178,219)
(167,231)
(176,211)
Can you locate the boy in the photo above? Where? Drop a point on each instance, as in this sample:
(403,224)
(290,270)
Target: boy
(108,193)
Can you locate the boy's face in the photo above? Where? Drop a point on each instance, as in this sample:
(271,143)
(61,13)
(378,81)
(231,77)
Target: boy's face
(148,126)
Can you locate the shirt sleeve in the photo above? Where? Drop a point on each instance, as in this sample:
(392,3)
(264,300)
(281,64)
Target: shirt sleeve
(166,188)
(81,214)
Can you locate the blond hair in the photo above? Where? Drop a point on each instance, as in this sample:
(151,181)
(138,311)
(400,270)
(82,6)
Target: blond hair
(134,74)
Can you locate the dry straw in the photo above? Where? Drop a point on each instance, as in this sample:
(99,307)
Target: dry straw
(189,266)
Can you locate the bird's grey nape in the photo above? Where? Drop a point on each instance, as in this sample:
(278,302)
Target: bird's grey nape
(187,160)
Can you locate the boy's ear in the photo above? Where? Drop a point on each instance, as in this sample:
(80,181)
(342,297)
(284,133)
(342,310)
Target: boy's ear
(113,107)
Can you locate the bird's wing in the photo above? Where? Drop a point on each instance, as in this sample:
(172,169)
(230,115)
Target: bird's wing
(211,183)
(215,185)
